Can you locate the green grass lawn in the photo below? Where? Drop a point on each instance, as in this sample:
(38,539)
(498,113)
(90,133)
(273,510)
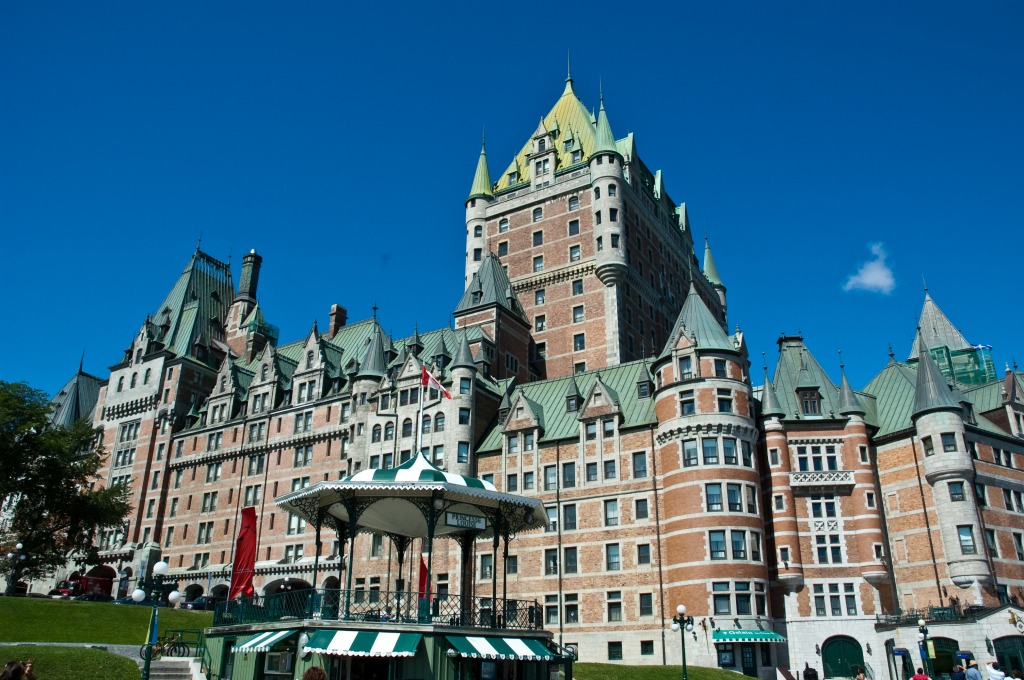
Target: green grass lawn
(71,663)
(25,619)
(609,671)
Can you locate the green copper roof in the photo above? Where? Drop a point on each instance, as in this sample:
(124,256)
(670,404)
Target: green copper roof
(548,401)
(797,369)
(696,320)
(710,270)
(932,392)
(202,293)
(570,114)
(770,405)
(490,286)
(936,330)
(374,364)
(482,179)
(464,359)
(848,402)
(604,140)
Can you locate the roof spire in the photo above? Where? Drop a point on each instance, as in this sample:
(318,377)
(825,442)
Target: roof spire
(932,392)
(770,405)
(848,402)
(710,270)
(925,283)
(482,178)
(568,65)
(81,362)
(604,140)
(375,308)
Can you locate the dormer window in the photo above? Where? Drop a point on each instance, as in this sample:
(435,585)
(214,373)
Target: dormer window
(542,145)
(643,389)
(568,144)
(513,177)
(810,402)
(685,368)
(577,156)
(572,403)
(264,372)
(223,383)
(476,296)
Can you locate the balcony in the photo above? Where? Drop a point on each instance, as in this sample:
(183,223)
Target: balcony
(391,608)
(822,480)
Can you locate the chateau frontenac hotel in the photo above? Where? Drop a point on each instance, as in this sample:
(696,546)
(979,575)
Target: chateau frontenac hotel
(591,365)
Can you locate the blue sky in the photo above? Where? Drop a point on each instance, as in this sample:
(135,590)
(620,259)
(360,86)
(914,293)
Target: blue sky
(339,140)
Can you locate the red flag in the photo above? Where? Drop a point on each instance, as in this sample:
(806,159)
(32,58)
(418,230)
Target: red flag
(245,557)
(428,379)
(424,580)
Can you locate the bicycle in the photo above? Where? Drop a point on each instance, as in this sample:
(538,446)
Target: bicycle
(172,645)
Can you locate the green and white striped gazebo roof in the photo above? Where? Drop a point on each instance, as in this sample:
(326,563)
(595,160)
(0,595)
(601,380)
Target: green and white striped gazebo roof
(394,500)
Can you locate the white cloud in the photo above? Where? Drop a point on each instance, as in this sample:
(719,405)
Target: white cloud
(874,276)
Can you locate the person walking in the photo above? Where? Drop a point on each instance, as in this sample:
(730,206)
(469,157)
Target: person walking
(972,670)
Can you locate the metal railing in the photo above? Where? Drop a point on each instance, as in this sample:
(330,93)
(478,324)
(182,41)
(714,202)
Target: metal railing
(954,612)
(381,607)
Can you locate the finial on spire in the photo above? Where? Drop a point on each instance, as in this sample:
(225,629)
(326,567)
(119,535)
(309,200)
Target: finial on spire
(483,137)
(764,363)
(1015,364)
(81,362)
(925,283)
(842,367)
(568,65)
(600,90)
(892,355)
(375,308)
(199,245)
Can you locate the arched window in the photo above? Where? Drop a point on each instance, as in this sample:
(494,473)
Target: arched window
(538,214)
(120,383)
(439,422)
(375,437)
(542,145)
(407,428)
(309,359)
(264,372)
(135,379)
(426,424)
(223,383)
(389,432)
(138,355)
(503,226)
(145,376)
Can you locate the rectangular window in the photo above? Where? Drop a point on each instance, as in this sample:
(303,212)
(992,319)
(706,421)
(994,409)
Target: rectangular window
(926,444)
(538,296)
(956,491)
(577,287)
(577,314)
(574,225)
(609,469)
(1018,545)
(724,401)
(713,494)
(643,554)
(639,465)
(611,513)
(590,431)
(551,562)
(641,511)
(568,475)
(990,541)
(591,472)
(463,453)
(739,545)
(486,566)
(948,442)
(729,451)
(574,253)
(687,403)
(538,263)
(550,478)
(612,557)
(615,651)
(503,249)
(579,342)
(571,561)
(646,604)
(689,452)
(540,322)
(720,368)
(511,483)
(538,238)
(710,451)
(527,481)
(716,542)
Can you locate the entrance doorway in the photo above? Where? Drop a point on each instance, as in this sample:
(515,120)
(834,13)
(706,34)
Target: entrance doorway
(945,656)
(1010,653)
(748,660)
(842,656)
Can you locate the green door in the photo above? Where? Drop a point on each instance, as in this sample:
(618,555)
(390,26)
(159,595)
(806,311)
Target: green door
(842,656)
(1010,653)
(748,660)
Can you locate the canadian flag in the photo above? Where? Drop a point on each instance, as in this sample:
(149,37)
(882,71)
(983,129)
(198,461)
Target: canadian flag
(428,379)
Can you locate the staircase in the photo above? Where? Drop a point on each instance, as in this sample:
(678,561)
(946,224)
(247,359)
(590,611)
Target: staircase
(172,668)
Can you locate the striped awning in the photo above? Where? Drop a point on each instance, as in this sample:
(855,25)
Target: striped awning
(743,635)
(417,469)
(261,642)
(363,643)
(499,648)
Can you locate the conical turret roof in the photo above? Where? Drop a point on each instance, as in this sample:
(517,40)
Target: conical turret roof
(696,319)
(710,270)
(849,404)
(932,392)
(936,330)
(464,357)
(604,140)
(482,179)
(374,364)
(770,405)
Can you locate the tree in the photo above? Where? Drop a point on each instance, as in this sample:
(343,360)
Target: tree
(48,485)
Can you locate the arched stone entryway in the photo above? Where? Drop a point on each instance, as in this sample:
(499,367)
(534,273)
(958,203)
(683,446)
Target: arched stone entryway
(220,590)
(945,656)
(841,656)
(193,591)
(1010,653)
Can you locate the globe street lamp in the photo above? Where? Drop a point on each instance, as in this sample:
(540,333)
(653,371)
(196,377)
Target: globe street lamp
(17,557)
(922,641)
(684,624)
(155,588)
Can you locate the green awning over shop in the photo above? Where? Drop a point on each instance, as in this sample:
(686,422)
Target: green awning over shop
(527,649)
(261,642)
(742,635)
(363,643)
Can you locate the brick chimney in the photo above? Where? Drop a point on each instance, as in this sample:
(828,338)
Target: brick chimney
(339,317)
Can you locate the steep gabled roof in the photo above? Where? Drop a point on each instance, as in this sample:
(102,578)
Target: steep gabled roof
(570,113)
(76,400)
(798,369)
(936,330)
(547,399)
(490,286)
(696,320)
(196,306)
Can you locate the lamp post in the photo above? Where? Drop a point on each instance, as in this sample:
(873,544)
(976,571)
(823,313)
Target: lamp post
(17,556)
(922,637)
(684,624)
(156,592)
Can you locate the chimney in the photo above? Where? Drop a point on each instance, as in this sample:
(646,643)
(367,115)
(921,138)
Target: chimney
(339,317)
(250,276)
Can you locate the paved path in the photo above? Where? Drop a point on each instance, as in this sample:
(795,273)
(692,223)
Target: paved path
(129,651)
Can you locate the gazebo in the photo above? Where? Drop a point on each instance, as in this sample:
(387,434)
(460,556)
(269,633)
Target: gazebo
(406,632)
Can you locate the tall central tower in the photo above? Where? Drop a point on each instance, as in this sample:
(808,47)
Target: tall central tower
(599,256)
